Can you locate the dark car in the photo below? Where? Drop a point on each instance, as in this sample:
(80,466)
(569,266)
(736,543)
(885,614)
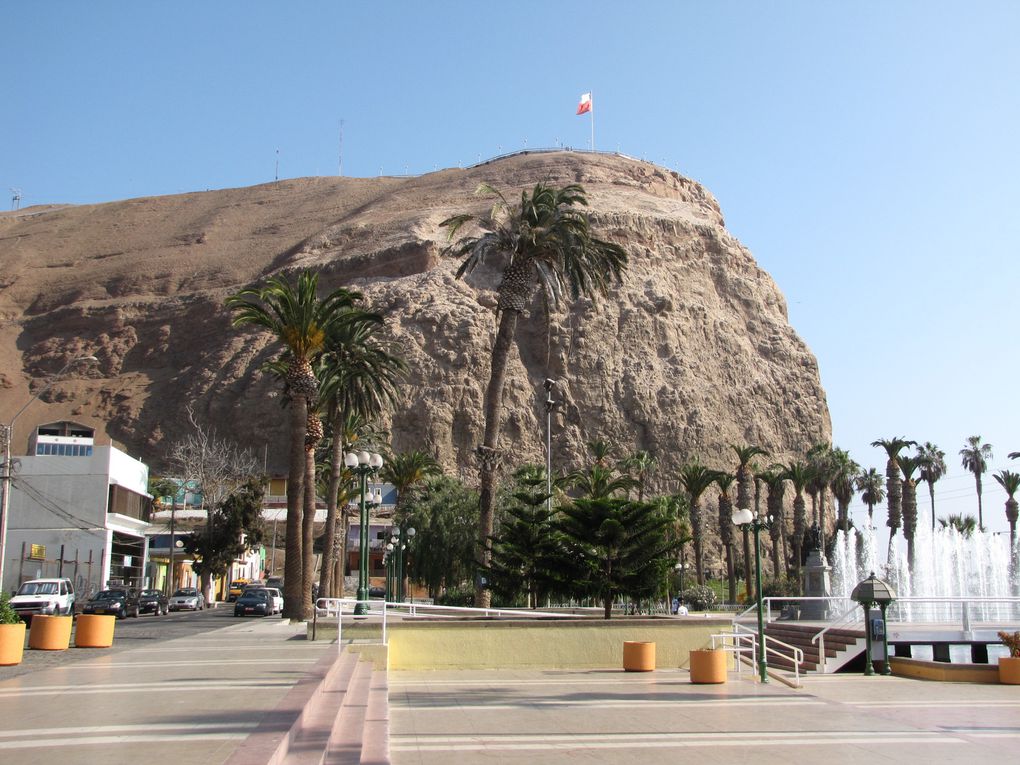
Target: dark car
(253,602)
(153,602)
(114,602)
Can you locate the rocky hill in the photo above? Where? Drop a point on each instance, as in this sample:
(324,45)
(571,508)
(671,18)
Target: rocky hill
(691,353)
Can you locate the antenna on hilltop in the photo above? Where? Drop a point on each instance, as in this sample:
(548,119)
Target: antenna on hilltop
(15,199)
(277,165)
(340,165)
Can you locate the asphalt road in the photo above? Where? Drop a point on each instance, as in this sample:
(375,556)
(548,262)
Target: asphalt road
(146,630)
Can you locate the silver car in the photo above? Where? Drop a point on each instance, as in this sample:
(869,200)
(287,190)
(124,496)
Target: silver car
(187,599)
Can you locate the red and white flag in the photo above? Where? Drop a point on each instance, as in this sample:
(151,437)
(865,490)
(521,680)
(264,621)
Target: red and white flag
(585,105)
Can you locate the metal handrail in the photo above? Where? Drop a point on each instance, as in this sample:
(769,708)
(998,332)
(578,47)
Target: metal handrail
(737,647)
(797,655)
(820,637)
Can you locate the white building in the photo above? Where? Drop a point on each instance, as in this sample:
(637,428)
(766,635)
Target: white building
(77,510)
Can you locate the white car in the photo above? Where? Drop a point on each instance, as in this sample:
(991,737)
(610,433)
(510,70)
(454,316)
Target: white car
(51,597)
(187,599)
(277,598)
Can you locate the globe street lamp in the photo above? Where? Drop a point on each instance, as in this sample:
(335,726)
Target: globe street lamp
(363,464)
(7,434)
(399,540)
(744,518)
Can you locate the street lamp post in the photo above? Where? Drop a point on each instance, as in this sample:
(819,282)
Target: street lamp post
(399,540)
(7,434)
(744,518)
(363,464)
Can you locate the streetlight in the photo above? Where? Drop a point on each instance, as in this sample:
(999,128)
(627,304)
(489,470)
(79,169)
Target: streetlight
(744,518)
(363,464)
(399,540)
(7,435)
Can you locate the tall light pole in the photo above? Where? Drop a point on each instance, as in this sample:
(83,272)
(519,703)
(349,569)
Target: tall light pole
(363,464)
(7,435)
(744,518)
(550,405)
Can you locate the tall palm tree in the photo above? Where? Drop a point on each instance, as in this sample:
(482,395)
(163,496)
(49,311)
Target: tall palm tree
(1010,481)
(894,491)
(724,481)
(301,322)
(869,484)
(975,456)
(640,465)
(842,482)
(408,470)
(359,377)
(799,474)
(933,467)
(695,479)
(775,482)
(908,466)
(966,525)
(544,241)
(819,460)
(744,477)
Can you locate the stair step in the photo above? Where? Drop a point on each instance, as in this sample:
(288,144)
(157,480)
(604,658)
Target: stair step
(375,747)
(312,733)
(345,739)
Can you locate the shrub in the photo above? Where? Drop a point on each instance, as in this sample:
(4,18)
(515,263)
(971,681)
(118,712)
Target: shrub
(781,587)
(463,596)
(1012,642)
(699,597)
(7,613)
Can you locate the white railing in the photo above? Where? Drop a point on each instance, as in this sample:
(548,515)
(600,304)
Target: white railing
(795,655)
(738,644)
(842,620)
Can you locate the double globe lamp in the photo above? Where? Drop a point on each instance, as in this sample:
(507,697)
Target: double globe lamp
(363,464)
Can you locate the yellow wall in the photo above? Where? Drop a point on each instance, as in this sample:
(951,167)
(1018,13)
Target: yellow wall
(544,644)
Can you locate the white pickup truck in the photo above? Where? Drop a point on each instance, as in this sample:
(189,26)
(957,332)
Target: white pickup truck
(44,596)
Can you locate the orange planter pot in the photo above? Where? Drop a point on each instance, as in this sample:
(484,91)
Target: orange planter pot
(50,633)
(1009,670)
(708,667)
(12,643)
(638,657)
(94,631)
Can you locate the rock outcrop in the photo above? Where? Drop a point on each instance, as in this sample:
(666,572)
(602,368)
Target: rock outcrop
(691,353)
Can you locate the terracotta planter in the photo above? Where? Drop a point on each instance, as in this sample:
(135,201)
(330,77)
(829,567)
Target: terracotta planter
(50,633)
(12,643)
(638,657)
(708,666)
(94,631)
(1009,670)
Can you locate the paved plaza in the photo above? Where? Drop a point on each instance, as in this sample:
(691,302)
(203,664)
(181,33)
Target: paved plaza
(615,717)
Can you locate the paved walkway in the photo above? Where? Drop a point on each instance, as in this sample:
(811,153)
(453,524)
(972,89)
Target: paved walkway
(615,717)
(191,700)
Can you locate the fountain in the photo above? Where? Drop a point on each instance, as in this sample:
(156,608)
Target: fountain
(947,564)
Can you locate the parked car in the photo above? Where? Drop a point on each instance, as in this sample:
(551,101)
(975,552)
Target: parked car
(377,592)
(187,599)
(119,602)
(276,597)
(275,581)
(254,602)
(44,596)
(235,589)
(154,602)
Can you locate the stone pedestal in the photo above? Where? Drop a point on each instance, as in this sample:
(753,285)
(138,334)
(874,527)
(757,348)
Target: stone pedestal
(814,583)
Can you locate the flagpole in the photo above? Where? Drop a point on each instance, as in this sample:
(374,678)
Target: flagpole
(592,112)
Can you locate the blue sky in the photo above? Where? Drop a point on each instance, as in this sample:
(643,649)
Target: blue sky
(865,152)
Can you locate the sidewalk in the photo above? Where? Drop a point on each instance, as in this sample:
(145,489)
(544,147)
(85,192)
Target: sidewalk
(608,716)
(193,698)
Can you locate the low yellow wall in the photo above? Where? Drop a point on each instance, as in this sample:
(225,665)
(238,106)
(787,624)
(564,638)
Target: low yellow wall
(943,672)
(554,644)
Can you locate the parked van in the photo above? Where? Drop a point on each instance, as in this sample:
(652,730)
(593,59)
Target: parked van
(51,597)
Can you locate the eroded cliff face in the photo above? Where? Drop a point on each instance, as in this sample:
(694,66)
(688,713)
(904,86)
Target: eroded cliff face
(692,352)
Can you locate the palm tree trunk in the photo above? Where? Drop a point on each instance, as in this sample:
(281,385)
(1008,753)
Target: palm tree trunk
(329,535)
(931,492)
(308,535)
(731,574)
(981,517)
(292,564)
(488,454)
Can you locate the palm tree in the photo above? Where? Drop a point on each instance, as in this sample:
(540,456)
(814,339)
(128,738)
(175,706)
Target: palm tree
(599,482)
(775,482)
(799,474)
(301,322)
(724,481)
(695,479)
(893,446)
(975,456)
(869,484)
(744,477)
(1010,481)
(600,451)
(844,473)
(933,467)
(965,525)
(408,470)
(640,464)
(908,465)
(820,462)
(359,376)
(546,241)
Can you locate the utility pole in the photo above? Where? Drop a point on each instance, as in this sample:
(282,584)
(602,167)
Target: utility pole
(550,404)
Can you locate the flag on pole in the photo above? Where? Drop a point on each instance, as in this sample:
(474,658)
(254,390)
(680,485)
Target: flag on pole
(585,105)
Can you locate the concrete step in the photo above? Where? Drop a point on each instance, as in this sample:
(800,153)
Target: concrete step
(312,735)
(375,745)
(348,731)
